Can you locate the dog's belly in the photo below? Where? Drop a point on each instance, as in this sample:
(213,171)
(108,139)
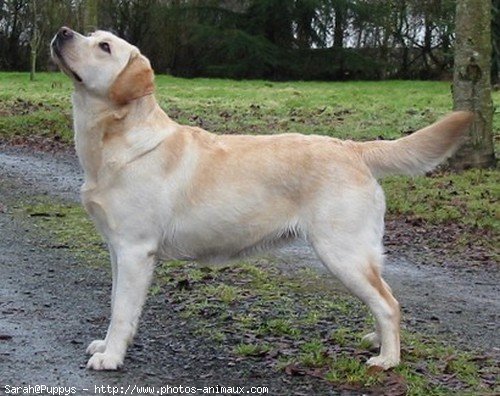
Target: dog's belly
(216,247)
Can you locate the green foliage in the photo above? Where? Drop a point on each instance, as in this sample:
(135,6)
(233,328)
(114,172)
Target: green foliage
(274,39)
(234,53)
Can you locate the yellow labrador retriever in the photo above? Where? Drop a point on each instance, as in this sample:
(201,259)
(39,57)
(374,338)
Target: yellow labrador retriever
(157,189)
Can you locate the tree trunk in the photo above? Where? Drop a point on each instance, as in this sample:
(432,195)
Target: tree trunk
(90,15)
(400,33)
(471,82)
(495,39)
(338,34)
(33,64)
(34,42)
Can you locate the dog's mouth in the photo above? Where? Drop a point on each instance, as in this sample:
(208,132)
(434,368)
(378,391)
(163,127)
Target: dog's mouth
(56,52)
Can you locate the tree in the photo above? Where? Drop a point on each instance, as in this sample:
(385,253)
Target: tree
(276,39)
(340,7)
(471,82)
(495,33)
(35,39)
(91,21)
(12,24)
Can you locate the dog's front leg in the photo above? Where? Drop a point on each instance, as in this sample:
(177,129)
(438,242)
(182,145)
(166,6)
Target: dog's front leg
(134,269)
(100,345)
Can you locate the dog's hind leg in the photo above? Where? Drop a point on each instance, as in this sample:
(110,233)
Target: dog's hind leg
(347,237)
(134,269)
(359,271)
(373,339)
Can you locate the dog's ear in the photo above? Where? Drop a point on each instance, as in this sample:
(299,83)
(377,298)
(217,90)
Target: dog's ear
(134,81)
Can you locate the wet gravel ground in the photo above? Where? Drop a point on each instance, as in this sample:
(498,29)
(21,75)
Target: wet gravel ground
(51,307)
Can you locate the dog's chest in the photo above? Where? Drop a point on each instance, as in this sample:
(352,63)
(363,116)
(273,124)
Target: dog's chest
(98,211)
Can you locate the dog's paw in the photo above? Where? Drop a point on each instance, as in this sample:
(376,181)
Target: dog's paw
(96,346)
(373,339)
(104,361)
(383,362)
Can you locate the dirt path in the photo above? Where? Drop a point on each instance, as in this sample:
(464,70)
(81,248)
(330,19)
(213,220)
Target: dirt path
(51,308)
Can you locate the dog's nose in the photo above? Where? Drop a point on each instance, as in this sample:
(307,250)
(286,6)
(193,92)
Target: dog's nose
(65,33)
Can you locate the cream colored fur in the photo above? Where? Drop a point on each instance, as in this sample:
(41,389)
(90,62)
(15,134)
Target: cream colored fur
(160,190)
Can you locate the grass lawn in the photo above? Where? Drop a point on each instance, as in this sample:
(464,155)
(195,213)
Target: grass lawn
(354,110)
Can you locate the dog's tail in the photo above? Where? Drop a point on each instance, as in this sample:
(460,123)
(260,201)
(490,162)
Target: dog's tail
(420,152)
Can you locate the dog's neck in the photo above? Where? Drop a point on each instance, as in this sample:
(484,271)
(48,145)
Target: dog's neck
(107,138)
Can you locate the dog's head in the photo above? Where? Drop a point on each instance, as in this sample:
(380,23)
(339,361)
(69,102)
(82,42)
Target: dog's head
(103,65)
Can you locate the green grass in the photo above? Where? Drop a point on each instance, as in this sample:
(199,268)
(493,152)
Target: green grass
(355,110)
(358,110)
(470,198)
(76,232)
(251,349)
(289,322)
(40,108)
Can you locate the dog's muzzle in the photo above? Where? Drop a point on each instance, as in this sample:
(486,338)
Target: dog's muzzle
(64,35)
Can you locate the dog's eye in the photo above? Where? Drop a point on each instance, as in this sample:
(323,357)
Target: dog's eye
(105,47)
